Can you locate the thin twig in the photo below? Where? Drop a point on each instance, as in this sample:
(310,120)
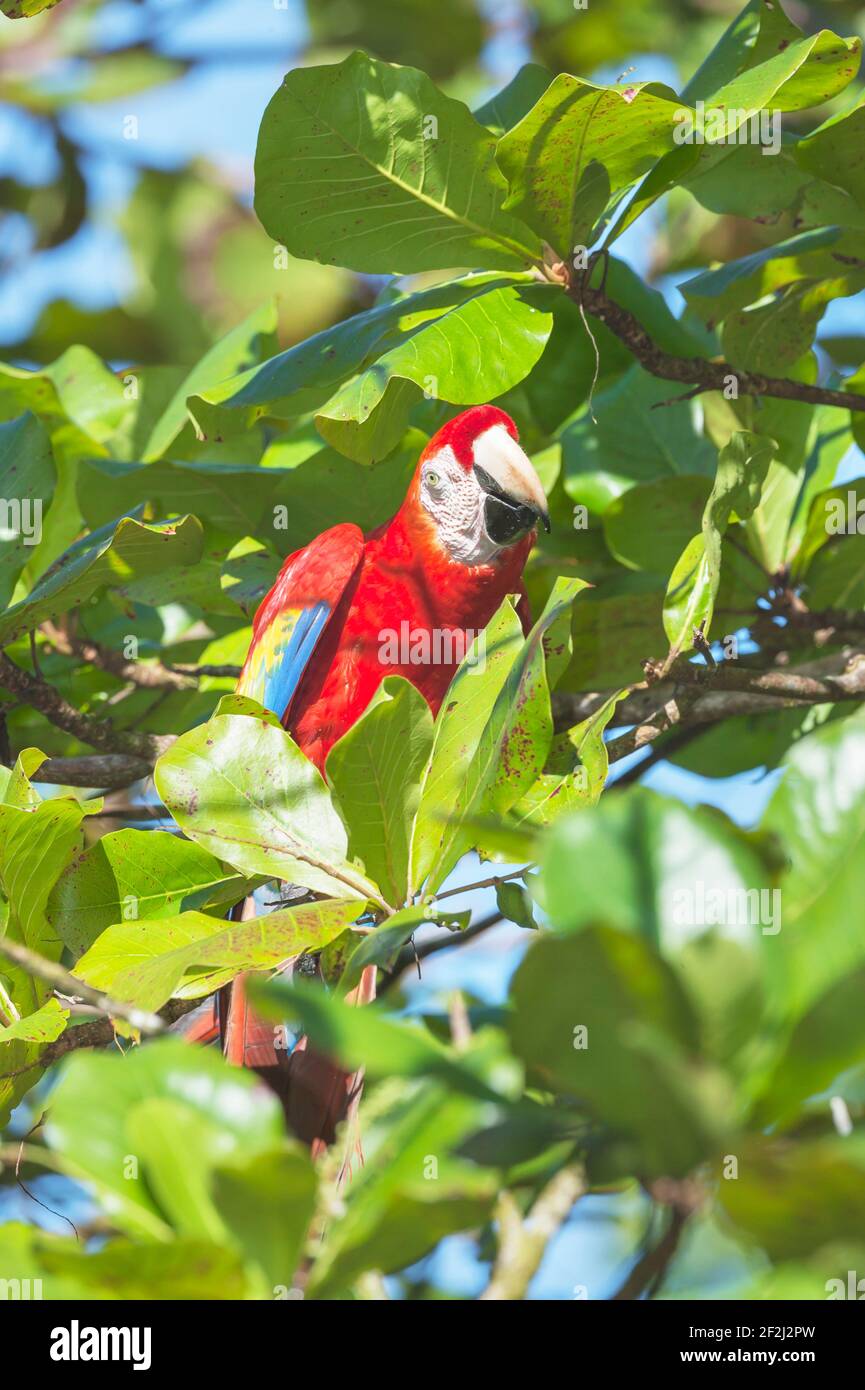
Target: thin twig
(55,975)
(523,1241)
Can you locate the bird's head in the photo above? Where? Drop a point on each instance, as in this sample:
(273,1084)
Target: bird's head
(478,487)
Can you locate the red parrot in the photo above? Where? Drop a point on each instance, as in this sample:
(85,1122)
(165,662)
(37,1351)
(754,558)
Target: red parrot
(348,610)
(439,569)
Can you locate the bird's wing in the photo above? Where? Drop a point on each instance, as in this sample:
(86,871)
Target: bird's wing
(295,613)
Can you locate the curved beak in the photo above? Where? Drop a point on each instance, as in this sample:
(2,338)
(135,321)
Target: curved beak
(516,500)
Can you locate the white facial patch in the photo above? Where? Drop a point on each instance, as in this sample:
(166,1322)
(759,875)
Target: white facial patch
(455,500)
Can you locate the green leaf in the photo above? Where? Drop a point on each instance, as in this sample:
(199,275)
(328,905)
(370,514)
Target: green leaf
(803,74)
(648,527)
(244,790)
(485,755)
(507,107)
(576,772)
(374,772)
(131,874)
(474,353)
(250,342)
(411,1190)
(189,955)
(513,902)
(106,559)
(367,165)
(693,586)
(27,479)
(614,630)
(632,442)
(579,146)
(835,149)
(366,1037)
(267,1202)
(729,55)
(793,1198)
(234,498)
(93,1130)
(639,861)
(811,256)
(466,341)
(43,1026)
(461,720)
(618,1033)
(191,1270)
(25,9)
(825,1041)
(818,811)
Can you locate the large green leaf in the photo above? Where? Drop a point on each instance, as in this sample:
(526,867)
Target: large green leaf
(189,955)
(694,583)
(578,146)
(243,789)
(466,341)
(374,773)
(632,441)
(793,1198)
(234,498)
(648,527)
(192,1270)
(835,151)
(819,812)
(132,874)
(634,1066)
(485,755)
(803,73)
(266,1202)
(368,1037)
(399,1204)
(106,559)
(827,1040)
(470,700)
(615,629)
(95,1124)
(474,353)
(367,165)
(27,478)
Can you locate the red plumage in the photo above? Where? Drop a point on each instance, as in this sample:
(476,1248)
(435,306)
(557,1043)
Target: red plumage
(317,660)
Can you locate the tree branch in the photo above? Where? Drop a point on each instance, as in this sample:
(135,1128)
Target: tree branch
(698,372)
(410,957)
(99,1033)
(650,1269)
(99,733)
(523,1241)
(109,771)
(60,979)
(699,695)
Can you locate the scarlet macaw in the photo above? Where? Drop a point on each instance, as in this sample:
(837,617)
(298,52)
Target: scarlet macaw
(440,567)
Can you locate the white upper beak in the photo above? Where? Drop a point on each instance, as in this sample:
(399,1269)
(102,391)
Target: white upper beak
(500,456)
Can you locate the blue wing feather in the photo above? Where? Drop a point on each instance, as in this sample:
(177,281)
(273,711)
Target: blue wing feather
(279,659)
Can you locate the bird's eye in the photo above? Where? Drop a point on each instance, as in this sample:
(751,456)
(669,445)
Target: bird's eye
(433,478)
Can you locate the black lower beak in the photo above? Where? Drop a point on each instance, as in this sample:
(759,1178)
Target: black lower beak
(505,518)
